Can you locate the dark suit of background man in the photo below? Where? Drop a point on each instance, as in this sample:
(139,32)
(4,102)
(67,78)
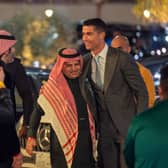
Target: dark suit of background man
(16,77)
(117,83)
(10,155)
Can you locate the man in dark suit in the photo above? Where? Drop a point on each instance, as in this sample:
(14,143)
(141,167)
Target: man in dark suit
(16,78)
(117,82)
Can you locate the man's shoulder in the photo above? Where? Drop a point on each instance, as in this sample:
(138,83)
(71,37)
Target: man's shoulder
(17,61)
(16,66)
(117,51)
(13,66)
(160,106)
(150,115)
(87,55)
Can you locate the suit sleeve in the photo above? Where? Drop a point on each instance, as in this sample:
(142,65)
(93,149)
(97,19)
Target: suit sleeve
(24,89)
(132,76)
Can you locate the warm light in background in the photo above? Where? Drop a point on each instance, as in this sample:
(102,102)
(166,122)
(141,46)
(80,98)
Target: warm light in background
(146,13)
(153,10)
(49,12)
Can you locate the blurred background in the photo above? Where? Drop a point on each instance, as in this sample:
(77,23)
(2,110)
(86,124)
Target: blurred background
(43,26)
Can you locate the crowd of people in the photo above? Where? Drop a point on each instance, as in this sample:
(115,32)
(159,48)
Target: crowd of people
(100,106)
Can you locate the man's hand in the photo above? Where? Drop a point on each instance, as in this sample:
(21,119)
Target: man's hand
(17,161)
(2,74)
(23,131)
(30,144)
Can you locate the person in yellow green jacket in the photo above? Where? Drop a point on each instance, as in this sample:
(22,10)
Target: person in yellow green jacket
(146,145)
(122,42)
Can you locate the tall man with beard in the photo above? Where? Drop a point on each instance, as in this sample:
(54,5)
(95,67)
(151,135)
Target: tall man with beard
(116,81)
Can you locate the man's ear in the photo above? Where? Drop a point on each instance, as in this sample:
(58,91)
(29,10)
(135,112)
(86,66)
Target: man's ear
(129,49)
(160,92)
(103,35)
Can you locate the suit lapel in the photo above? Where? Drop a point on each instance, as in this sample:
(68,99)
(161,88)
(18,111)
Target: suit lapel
(85,74)
(85,85)
(111,62)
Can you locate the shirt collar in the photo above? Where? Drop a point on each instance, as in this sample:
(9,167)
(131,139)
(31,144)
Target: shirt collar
(103,52)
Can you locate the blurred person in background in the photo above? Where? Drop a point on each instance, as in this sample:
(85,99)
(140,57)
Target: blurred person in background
(146,144)
(16,77)
(116,82)
(122,43)
(68,102)
(10,156)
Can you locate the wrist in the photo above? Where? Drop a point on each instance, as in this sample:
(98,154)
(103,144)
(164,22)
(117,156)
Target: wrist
(30,139)
(17,155)
(26,126)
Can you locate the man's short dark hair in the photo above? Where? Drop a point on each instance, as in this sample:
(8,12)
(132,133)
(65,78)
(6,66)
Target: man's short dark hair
(164,79)
(98,23)
(164,72)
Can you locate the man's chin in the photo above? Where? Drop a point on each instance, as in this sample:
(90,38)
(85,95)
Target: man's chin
(87,47)
(73,76)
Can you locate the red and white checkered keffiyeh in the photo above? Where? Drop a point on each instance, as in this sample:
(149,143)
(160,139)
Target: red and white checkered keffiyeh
(6,41)
(57,101)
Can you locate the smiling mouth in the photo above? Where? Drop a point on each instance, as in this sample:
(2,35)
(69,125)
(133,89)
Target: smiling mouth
(74,73)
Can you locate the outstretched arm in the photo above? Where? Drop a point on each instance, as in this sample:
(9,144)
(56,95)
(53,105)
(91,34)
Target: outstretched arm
(34,124)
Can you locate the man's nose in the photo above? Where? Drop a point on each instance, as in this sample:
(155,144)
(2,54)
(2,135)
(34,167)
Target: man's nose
(73,67)
(84,37)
